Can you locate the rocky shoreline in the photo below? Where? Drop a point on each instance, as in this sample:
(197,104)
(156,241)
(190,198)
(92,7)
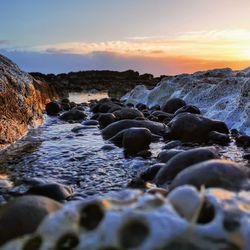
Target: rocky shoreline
(195,194)
(115,83)
(22,100)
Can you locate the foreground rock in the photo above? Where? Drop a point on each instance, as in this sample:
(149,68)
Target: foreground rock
(182,161)
(22,101)
(213,173)
(23,215)
(140,221)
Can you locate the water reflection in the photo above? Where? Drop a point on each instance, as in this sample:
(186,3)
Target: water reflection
(86,96)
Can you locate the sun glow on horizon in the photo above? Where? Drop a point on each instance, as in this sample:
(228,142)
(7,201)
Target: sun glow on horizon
(208,45)
(247,53)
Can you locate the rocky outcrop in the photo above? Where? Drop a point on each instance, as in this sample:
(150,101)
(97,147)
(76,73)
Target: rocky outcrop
(22,101)
(187,219)
(116,83)
(221,94)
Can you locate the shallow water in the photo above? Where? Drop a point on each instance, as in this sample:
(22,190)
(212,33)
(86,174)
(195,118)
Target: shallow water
(86,96)
(53,153)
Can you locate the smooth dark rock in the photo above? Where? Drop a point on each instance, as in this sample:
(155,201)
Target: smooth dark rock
(193,128)
(90,123)
(53,108)
(172,144)
(54,191)
(73,114)
(182,161)
(173,104)
(150,173)
(141,106)
(165,155)
(219,138)
(23,215)
(114,128)
(134,140)
(188,109)
(161,115)
(213,173)
(128,113)
(243,141)
(106,119)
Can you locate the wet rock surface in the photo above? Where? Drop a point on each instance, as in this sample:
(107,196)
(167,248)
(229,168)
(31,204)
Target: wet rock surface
(185,219)
(83,162)
(22,101)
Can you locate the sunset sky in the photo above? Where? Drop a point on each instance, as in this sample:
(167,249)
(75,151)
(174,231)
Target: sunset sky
(154,36)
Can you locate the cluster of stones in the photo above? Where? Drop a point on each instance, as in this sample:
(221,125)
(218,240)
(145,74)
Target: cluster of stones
(198,200)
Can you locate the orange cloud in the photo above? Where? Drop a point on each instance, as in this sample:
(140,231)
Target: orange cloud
(228,45)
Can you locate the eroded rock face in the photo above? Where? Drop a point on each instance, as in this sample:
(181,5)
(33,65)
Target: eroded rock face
(220,94)
(187,219)
(22,101)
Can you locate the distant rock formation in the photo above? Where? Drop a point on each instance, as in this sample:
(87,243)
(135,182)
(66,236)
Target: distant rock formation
(22,100)
(221,94)
(116,83)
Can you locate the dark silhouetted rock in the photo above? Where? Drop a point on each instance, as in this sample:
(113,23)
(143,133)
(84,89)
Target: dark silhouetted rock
(128,113)
(219,138)
(73,114)
(165,155)
(114,128)
(150,173)
(193,127)
(243,141)
(53,108)
(173,104)
(182,161)
(54,191)
(188,109)
(106,119)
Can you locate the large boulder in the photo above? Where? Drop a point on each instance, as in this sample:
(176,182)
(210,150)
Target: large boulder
(183,160)
(213,173)
(116,127)
(22,101)
(23,215)
(193,127)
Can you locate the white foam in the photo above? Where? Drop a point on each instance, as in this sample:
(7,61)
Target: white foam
(221,94)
